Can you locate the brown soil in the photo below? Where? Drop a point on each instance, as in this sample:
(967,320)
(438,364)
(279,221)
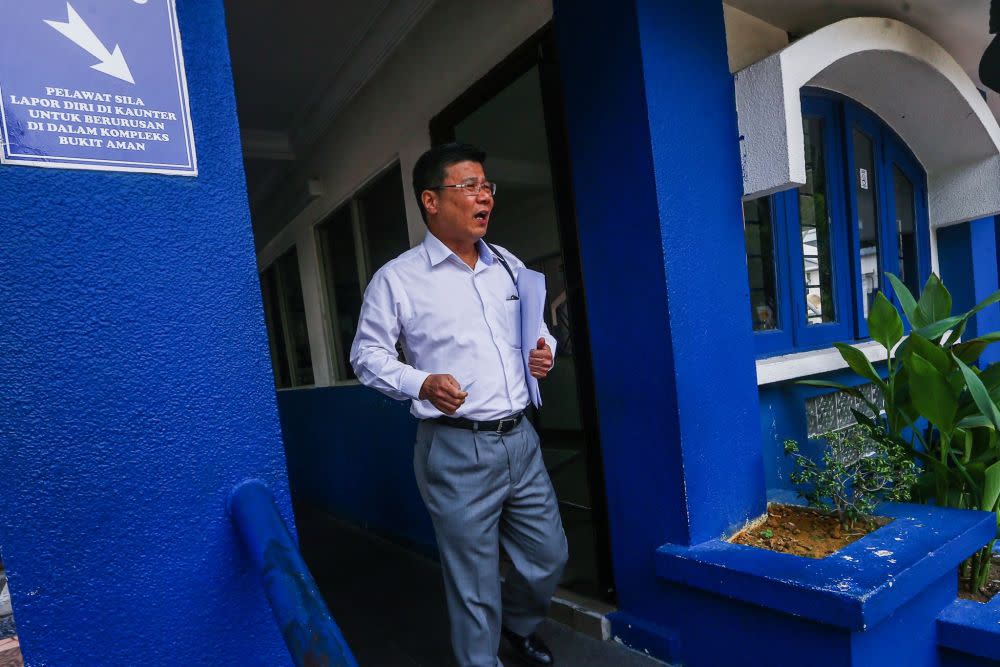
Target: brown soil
(803,531)
(991,588)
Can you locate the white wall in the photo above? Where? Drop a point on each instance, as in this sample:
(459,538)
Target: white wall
(749,39)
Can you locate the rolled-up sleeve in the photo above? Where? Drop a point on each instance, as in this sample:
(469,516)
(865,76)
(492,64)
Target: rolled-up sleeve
(373,352)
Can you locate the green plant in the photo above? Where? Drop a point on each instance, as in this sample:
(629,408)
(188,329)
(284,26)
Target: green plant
(860,468)
(936,402)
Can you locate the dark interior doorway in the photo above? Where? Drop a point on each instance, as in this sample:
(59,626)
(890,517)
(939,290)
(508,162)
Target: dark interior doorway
(515,114)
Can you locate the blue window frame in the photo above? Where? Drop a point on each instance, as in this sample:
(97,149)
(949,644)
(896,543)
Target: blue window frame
(862,213)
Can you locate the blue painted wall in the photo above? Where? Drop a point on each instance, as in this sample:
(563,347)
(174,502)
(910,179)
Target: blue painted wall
(651,122)
(968,258)
(783,417)
(350,453)
(137,392)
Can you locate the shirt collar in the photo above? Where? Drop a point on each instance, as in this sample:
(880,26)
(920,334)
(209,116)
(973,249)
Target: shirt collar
(437,251)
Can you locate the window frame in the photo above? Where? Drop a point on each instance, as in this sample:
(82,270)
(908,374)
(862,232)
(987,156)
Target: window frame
(276,320)
(329,309)
(898,155)
(362,256)
(840,115)
(805,335)
(771,341)
(856,117)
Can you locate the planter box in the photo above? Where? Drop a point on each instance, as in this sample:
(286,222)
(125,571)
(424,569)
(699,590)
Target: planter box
(969,633)
(875,602)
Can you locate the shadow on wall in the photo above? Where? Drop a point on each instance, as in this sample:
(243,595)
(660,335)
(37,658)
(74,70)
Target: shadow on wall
(350,453)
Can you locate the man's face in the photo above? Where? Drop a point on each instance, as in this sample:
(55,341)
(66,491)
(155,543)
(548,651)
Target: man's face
(454,214)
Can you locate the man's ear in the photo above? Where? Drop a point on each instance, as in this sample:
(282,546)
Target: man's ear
(430,201)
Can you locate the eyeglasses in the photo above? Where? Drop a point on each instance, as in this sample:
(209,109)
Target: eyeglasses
(470,189)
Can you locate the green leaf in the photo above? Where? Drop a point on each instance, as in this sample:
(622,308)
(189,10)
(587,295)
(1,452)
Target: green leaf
(934,398)
(935,330)
(884,323)
(991,376)
(964,439)
(825,384)
(979,394)
(969,351)
(957,331)
(929,351)
(975,421)
(991,489)
(988,301)
(906,299)
(859,363)
(934,304)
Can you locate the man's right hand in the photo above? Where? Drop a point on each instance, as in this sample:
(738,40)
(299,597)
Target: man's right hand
(444,393)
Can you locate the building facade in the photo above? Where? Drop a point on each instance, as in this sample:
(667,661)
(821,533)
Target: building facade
(714,193)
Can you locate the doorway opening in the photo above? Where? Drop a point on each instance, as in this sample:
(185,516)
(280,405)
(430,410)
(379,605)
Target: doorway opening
(515,114)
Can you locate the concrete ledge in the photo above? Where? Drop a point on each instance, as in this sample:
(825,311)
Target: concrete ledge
(853,589)
(584,615)
(785,367)
(972,628)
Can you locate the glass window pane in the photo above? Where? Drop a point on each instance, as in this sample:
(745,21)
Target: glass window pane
(275,330)
(340,262)
(814,222)
(906,228)
(295,318)
(865,186)
(383,220)
(759,234)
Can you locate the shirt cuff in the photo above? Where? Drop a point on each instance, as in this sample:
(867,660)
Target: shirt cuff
(412,381)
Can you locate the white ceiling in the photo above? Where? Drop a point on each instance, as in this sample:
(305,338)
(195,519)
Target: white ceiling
(296,63)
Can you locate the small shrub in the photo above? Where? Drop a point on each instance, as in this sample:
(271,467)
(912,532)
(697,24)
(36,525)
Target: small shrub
(860,468)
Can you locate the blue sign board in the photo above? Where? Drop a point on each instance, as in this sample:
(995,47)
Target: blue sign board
(94,84)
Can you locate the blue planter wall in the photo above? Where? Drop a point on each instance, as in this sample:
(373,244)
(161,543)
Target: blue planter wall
(350,453)
(138,392)
(783,417)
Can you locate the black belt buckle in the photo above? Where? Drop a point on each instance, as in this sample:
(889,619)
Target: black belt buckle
(500,425)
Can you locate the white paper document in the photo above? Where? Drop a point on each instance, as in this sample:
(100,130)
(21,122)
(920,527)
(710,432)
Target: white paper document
(531,292)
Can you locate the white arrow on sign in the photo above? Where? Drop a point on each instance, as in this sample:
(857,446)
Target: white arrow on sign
(78,32)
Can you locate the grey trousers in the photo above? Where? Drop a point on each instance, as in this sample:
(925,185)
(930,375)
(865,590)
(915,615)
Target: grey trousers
(483,490)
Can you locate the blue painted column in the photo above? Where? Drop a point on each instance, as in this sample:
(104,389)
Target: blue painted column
(137,393)
(654,146)
(967,254)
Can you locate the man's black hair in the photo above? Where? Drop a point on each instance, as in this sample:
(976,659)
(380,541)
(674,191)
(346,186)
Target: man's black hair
(430,167)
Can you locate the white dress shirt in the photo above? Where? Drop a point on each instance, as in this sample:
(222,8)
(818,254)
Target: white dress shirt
(450,319)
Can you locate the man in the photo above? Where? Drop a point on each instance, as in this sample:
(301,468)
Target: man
(452,303)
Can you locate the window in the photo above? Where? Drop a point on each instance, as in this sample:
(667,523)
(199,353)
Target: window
(759,233)
(285,315)
(818,255)
(354,242)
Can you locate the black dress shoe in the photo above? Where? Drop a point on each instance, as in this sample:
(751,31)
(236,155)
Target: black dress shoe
(531,649)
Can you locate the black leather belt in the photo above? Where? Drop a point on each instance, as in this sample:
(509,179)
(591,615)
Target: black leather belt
(501,426)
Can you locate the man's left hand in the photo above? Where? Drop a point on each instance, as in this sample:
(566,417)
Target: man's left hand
(540,359)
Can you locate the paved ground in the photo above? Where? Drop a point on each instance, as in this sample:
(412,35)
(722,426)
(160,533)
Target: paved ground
(389,603)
